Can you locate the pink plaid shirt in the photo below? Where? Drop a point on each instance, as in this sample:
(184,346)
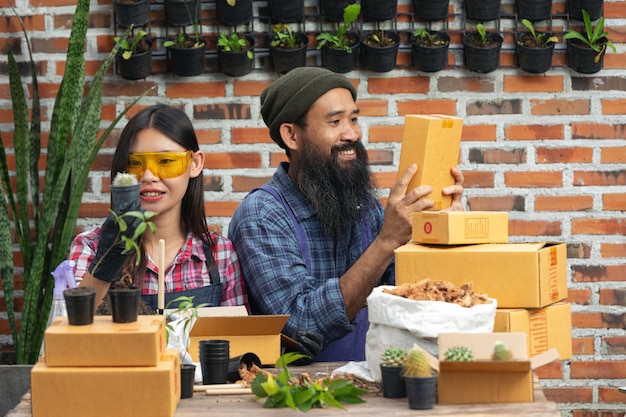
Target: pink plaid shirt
(188,271)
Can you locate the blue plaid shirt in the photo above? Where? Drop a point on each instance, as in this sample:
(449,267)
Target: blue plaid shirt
(275,270)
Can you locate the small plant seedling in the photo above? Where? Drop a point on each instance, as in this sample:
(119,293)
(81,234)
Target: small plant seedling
(430,37)
(594,37)
(538,36)
(130,48)
(341,39)
(284,37)
(233,43)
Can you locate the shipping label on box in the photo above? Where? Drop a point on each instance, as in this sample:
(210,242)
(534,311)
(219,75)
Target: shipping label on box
(104,343)
(518,275)
(432,142)
(546,328)
(107,391)
(460,227)
(485,380)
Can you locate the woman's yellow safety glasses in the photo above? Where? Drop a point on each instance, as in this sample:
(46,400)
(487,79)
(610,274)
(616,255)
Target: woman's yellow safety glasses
(161,164)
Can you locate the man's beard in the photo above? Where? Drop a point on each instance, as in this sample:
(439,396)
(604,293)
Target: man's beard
(339,194)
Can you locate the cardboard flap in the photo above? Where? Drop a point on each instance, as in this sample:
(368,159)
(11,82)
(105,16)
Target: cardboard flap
(486,366)
(239,325)
(432,361)
(544,358)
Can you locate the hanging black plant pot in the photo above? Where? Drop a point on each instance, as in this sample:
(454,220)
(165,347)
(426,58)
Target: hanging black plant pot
(135,13)
(333,9)
(379,50)
(582,58)
(182,12)
(139,64)
(534,10)
(237,63)
(340,60)
(379,10)
(431,9)
(482,10)
(187,62)
(286,11)
(285,59)
(481,56)
(595,9)
(239,14)
(534,59)
(430,54)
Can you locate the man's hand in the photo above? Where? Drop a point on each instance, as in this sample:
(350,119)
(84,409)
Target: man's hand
(456,190)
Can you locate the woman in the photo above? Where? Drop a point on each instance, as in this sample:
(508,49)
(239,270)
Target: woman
(159,146)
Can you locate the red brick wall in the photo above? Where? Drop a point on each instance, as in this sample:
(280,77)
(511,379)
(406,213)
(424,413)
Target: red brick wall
(549,149)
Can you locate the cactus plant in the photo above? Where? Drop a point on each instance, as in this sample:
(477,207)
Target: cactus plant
(500,352)
(416,365)
(459,354)
(393,357)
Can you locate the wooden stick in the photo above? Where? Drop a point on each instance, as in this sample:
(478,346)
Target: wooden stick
(228,391)
(161,275)
(236,385)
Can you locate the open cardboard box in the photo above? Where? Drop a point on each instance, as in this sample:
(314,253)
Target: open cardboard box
(518,275)
(484,380)
(432,142)
(130,391)
(105,343)
(460,227)
(257,334)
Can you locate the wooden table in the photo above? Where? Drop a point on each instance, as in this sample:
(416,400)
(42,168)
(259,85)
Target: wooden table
(202,405)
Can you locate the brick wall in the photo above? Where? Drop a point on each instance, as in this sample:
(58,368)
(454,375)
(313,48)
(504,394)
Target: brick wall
(549,149)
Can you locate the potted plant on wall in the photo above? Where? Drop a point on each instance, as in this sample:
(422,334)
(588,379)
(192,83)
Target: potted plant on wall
(534,10)
(482,10)
(431,9)
(534,49)
(131,12)
(339,50)
(586,49)
(593,7)
(286,11)
(379,10)
(333,9)
(481,49)
(134,58)
(182,12)
(429,49)
(235,54)
(45,231)
(288,48)
(234,12)
(379,50)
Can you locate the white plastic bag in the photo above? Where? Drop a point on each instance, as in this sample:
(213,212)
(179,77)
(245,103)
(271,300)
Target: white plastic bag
(178,337)
(399,322)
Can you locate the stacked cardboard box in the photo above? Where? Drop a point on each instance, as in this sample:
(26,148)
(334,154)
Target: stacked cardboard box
(106,369)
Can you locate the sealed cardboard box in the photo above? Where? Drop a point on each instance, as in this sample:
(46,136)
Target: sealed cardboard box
(107,391)
(518,275)
(257,334)
(104,343)
(460,227)
(484,380)
(432,142)
(545,328)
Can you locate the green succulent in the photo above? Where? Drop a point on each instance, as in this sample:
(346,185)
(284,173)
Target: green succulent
(459,354)
(500,352)
(393,357)
(416,365)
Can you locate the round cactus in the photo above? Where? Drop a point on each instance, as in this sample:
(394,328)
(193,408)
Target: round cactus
(416,365)
(500,352)
(459,354)
(393,357)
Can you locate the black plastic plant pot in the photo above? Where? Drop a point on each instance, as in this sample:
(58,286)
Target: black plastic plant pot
(379,10)
(430,58)
(534,10)
(239,14)
(381,58)
(535,60)
(581,58)
(136,67)
(182,12)
(80,304)
(482,59)
(246,360)
(187,377)
(236,63)
(125,304)
(340,60)
(431,9)
(392,382)
(285,60)
(187,62)
(286,11)
(333,9)
(482,10)
(124,197)
(421,392)
(595,9)
(132,13)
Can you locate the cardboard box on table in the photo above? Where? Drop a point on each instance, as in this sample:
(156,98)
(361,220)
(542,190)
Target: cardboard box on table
(484,380)
(545,328)
(257,334)
(130,391)
(518,275)
(104,343)
(460,227)
(432,142)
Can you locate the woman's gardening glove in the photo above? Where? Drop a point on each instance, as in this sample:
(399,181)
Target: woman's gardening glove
(109,261)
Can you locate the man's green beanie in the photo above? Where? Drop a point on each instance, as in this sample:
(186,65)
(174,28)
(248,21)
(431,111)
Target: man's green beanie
(293,94)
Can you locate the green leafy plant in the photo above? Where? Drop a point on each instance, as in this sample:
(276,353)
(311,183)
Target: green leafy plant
(482,32)
(393,357)
(379,38)
(184,41)
(459,354)
(130,48)
(234,43)
(341,40)
(303,393)
(284,37)
(594,37)
(42,219)
(538,37)
(416,365)
(130,243)
(500,352)
(430,38)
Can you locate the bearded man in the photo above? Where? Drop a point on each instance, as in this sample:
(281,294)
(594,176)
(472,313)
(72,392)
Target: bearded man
(314,241)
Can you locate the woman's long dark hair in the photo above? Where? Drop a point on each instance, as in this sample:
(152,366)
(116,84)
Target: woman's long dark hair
(174,124)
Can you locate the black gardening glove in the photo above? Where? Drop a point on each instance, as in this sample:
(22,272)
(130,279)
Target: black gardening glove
(307,343)
(109,261)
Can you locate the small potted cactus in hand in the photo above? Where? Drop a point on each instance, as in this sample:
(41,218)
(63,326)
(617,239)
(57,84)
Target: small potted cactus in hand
(420,380)
(391,363)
